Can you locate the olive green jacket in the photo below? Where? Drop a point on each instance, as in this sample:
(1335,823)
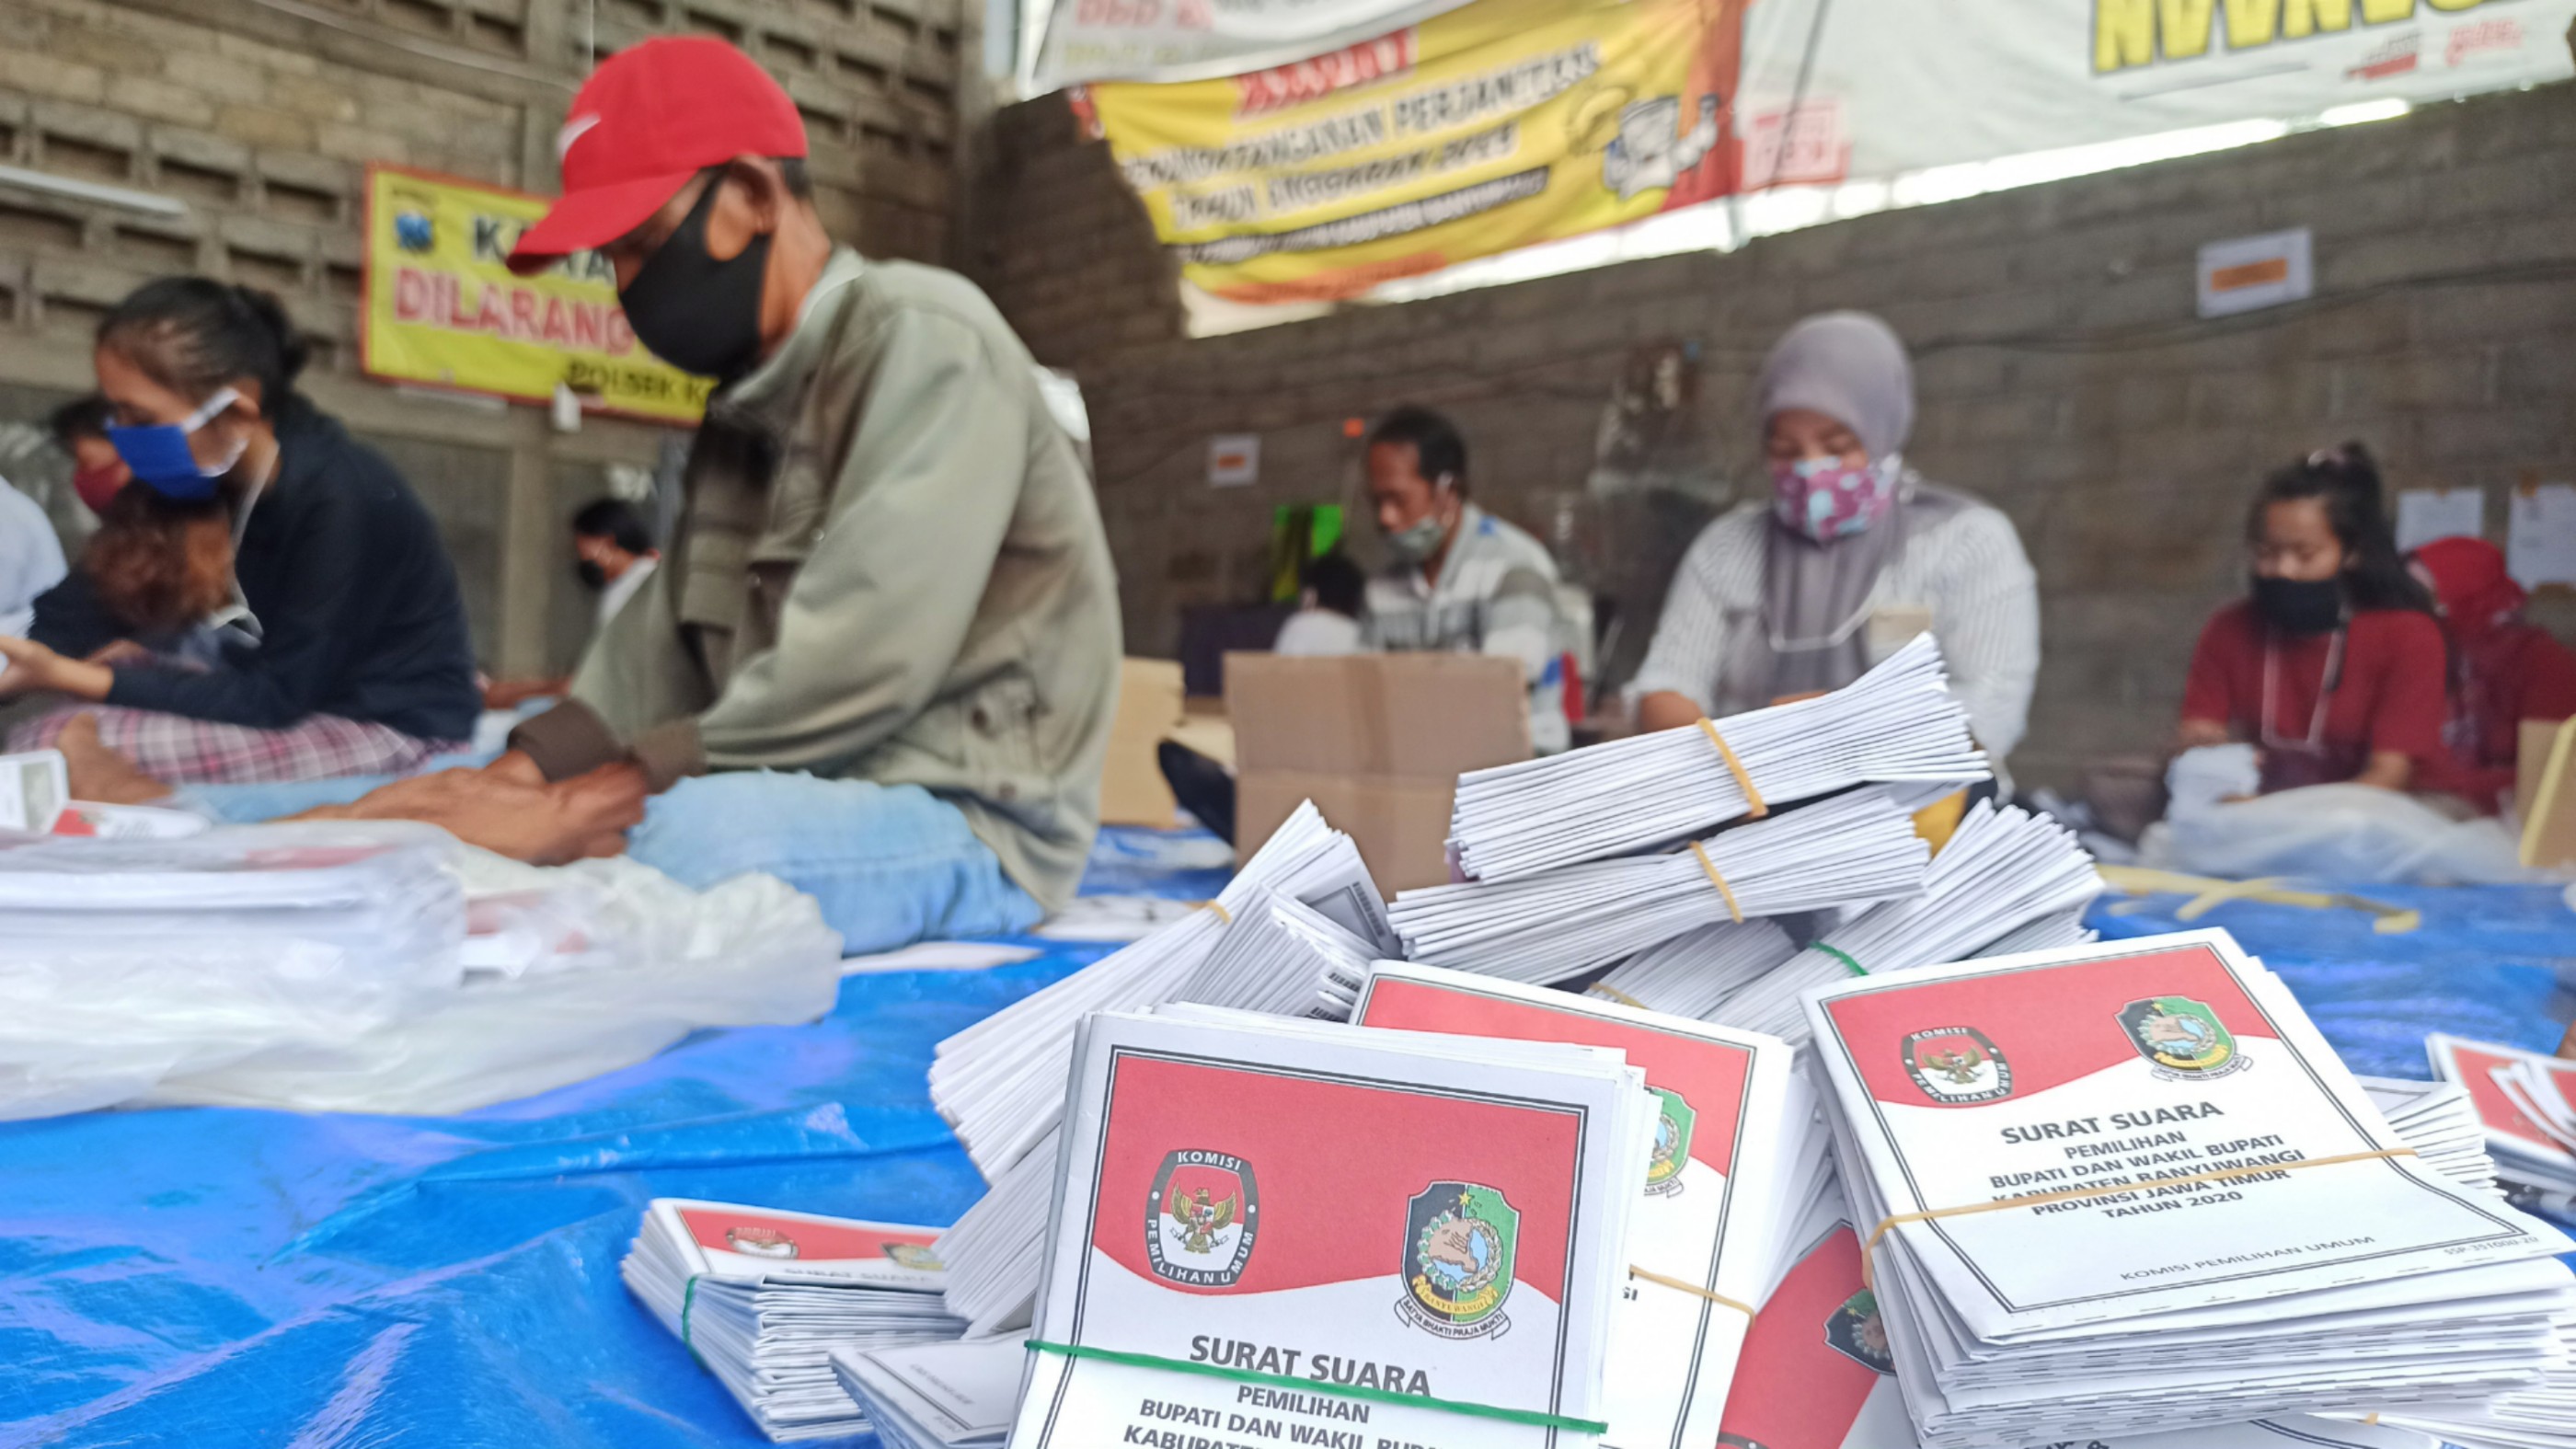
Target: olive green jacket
(889,567)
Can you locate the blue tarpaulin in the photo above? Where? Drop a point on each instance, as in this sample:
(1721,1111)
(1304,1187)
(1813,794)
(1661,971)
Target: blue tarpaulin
(207,1278)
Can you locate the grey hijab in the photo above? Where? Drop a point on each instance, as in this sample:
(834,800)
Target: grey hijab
(1851,367)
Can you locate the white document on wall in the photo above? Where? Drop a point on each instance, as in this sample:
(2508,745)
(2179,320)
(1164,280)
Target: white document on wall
(2540,546)
(2426,514)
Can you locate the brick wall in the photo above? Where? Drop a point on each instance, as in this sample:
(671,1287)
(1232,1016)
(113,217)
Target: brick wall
(260,119)
(2062,371)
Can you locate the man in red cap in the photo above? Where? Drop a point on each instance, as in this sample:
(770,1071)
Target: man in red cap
(887,621)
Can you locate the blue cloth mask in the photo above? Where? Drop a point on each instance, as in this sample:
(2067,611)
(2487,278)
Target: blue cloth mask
(159,455)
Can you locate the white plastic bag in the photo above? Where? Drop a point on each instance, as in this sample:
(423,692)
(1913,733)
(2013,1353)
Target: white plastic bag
(2348,834)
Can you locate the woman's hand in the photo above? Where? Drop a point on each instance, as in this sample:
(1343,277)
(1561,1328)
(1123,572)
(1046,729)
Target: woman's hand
(1665,710)
(27,666)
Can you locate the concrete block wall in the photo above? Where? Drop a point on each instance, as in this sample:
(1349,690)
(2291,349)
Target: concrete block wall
(261,118)
(2063,374)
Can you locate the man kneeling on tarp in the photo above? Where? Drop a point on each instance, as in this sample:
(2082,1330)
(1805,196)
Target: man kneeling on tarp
(888,619)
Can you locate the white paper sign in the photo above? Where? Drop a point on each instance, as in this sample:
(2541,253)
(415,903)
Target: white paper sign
(2245,273)
(1234,460)
(2540,547)
(2425,514)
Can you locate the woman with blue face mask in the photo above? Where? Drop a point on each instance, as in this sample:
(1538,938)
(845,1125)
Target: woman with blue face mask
(324,631)
(1847,554)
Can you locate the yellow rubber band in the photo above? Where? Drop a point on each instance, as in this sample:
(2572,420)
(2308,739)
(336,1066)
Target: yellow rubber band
(1735,767)
(1719,881)
(1222,913)
(1693,1289)
(2070,1194)
(1617,995)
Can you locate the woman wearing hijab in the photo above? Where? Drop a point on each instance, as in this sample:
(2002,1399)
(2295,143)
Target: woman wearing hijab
(2331,665)
(1851,555)
(2504,669)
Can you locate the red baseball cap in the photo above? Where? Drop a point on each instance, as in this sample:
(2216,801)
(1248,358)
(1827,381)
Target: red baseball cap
(644,123)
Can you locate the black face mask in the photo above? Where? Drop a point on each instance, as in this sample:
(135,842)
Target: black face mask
(696,313)
(593,577)
(2299,606)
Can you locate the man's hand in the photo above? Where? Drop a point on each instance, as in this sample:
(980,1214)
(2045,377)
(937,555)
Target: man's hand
(499,810)
(26,666)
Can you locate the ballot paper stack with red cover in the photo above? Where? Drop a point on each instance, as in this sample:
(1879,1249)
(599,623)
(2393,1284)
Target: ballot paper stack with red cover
(761,1297)
(2127,1189)
(1270,1230)
(2526,1105)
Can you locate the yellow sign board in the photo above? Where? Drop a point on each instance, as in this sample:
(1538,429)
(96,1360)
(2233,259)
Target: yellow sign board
(442,309)
(1494,126)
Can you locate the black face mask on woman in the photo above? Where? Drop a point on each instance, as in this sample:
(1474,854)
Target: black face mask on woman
(696,313)
(2299,606)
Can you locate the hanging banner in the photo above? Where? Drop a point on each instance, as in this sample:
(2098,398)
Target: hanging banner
(1179,40)
(1496,125)
(442,310)
(1897,87)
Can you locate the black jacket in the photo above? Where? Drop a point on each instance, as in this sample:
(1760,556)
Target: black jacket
(356,599)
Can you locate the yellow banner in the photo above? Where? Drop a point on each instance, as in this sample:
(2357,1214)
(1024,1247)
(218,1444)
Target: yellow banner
(1496,125)
(443,310)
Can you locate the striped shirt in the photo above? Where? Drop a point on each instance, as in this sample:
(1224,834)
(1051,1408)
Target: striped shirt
(1496,595)
(1965,571)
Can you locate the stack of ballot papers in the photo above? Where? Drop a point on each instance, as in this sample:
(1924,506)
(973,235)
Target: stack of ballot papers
(2522,1106)
(1852,849)
(2440,1121)
(1691,973)
(958,1395)
(1276,1230)
(2127,1189)
(1000,1082)
(1817,1371)
(762,1296)
(1285,958)
(1730,1119)
(2002,870)
(996,1251)
(1896,725)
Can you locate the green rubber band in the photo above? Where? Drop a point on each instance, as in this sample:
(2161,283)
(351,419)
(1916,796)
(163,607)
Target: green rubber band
(1346,1391)
(1839,955)
(688,1301)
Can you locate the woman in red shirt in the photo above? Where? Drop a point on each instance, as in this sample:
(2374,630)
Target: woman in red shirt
(2332,667)
(2504,670)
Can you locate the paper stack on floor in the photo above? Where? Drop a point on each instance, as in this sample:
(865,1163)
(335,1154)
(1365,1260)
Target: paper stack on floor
(2521,1102)
(1693,972)
(996,1250)
(2440,1121)
(937,1395)
(1404,1238)
(1731,1120)
(761,1296)
(1000,1082)
(2127,1188)
(1285,958)
(1896,725)
(1848,850)
(2003,870)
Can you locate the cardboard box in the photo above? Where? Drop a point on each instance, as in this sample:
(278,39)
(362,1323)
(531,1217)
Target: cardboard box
(2544,792)
(1132,791)
(1376,741)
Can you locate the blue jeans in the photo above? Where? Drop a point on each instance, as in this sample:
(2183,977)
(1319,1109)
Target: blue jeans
(890,865)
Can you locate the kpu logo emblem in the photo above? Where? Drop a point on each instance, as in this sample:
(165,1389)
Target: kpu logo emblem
(1957,1064)
(1460,1240)
(2183,1037)
(1201,1219)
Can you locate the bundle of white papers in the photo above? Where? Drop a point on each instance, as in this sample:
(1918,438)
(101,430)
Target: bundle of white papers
(1402,1238)
(937,1395)
(2522,1105)
(2127,1188)
(2440,1121)
(2002,870)
(1897,725)
(1817,1371)
(996,1251)
(1691,973)
(1000,1082)
(1285,958)
(1848,850)
(762,1296)
(1699,1246)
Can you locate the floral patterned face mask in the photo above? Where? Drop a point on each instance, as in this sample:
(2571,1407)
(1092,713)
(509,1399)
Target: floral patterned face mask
(1827,499)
